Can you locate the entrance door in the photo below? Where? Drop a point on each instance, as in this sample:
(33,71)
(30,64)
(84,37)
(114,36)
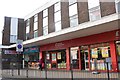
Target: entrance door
(84,59)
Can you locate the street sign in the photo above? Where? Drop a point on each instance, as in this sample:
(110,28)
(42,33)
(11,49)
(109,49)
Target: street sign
(19,46)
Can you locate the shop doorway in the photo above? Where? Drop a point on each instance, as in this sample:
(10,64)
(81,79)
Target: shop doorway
(84,58)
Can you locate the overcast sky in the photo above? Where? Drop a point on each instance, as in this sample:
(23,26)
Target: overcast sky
(17,8)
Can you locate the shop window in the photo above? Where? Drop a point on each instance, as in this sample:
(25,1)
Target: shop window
(74,57)
(100,52)
(118,55)
(56,59)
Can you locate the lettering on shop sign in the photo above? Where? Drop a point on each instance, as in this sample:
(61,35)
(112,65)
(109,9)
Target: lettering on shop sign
(59,44)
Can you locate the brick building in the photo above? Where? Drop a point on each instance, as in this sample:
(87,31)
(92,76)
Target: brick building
(72,32)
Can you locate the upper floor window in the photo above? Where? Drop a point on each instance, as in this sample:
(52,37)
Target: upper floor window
(45,13)
(13,38)
(35,34)
(27,28)
(73,9)
(57,16)
(45,22)
(94,13)
(57,7)
(94,10)
(117,2)
(73,13)
(72,2)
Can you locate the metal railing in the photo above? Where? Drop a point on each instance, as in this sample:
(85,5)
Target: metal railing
(59,74)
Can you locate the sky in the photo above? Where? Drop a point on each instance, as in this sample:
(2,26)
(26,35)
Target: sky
(17,8)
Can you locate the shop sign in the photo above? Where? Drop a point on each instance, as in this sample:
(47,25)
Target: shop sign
(31,50)
(10,52)
(19,46)
(59,44)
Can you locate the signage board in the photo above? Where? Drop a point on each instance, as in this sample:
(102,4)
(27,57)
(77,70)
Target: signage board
(19,46)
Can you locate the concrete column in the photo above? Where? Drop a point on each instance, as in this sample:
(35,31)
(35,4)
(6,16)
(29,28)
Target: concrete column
(113,56)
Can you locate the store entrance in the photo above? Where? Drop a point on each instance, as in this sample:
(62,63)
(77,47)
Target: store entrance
(84,58)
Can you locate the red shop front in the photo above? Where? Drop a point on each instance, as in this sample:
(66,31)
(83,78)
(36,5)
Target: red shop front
(81,52)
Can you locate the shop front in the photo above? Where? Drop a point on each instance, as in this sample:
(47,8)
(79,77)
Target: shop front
(31,58)
(11,59)
(84,53)
(56,59)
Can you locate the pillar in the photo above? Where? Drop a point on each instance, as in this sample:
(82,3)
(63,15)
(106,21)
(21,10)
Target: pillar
(89,58)
(113,56)
(68,58)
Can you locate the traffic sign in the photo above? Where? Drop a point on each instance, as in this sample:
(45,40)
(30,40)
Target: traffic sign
(19,46)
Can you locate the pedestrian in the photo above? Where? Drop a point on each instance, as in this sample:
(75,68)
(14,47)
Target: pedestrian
(40,64)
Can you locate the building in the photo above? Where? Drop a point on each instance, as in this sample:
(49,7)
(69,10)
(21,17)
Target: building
(73,32)
(13,29)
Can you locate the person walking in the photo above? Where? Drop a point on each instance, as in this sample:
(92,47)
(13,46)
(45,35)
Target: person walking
(40,64)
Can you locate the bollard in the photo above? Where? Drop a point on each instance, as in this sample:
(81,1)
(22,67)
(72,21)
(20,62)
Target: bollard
(108,72)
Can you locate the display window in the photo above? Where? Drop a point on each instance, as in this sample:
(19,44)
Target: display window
(74,57)
(118,54)
(100,52)
(31,60)
(56,59)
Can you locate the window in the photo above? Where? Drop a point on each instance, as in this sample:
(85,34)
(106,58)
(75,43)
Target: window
(94,13)
(94,10)
(57,7)
(36,18)
(73,9)
(13,38)
(36,22)
(72,2)
(45,22)
(27,28)
(35,26)
(93,3)
(35,34)
(73,15)
(118,6)
(27,36)
(45,13)
(74,21)
(57,16)
(58,26)
(45,30)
